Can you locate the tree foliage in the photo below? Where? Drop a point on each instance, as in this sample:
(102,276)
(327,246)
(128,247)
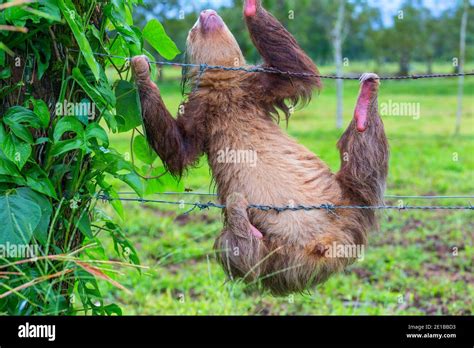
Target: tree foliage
(59,104)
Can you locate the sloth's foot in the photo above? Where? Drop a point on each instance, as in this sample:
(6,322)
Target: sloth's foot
(237,217)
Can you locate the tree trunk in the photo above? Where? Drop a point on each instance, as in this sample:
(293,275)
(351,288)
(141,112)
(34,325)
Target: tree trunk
(429,66)
(337,40)
(462,52)
(404,68)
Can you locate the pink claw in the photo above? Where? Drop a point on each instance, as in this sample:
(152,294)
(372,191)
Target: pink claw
(256,233)
(362,108)
(250,8)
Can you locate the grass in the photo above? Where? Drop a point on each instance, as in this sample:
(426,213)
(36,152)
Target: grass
(420,262)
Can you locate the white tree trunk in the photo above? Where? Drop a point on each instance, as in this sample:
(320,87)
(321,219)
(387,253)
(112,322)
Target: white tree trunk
(337,42)
(462,52)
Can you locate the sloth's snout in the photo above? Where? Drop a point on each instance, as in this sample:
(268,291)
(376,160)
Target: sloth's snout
(210,21)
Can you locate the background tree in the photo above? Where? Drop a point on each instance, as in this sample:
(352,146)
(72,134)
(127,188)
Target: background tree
(462,53)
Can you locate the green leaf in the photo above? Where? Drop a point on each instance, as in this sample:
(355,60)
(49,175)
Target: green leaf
(5,73)
(5,48)
(108,189)
(50,11)
(38,180)
(143,151)
(74,20)
(128,106)
(67,145)
(114,164)
(7,167)
(84,111)
(112,309)
(14,149)
(110,120)
(155,35)
(42,51)
(166,182)
(68,124)
(18,16)
(42,229)
(41,110)
(95,131)
(19,114)
(19,216)
(22,132)
(134,181)
(84,225)
(2,56)
(19,119)
(118,48)
(17,180)
(91,91)
(131,35)
(116,204)
(126,248)
(42,140)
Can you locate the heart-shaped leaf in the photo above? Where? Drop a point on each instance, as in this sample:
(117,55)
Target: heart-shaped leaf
(128,106)
(143,151)
(19,216)
(156,36)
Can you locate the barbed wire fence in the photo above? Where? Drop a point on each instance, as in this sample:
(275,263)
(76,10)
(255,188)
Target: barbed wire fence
(331,208)
(268,70)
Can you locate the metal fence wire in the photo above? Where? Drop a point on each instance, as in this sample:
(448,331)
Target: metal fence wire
(332,208)
(268,70)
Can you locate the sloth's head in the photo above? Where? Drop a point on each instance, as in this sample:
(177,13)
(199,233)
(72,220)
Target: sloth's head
(211,42)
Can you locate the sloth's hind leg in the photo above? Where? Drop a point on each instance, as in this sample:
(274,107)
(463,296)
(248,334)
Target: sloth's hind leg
(240,247)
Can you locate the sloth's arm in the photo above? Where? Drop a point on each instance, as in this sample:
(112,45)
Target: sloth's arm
(178,142)
(279,50)
(364,149)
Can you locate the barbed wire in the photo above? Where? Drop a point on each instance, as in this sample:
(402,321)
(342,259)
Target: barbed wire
(203,67)
(297,207)
(192,193)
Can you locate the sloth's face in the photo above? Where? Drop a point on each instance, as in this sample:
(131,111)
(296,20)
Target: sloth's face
(211,42)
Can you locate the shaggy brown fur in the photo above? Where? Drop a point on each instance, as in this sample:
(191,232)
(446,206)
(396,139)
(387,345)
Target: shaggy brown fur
(233,110)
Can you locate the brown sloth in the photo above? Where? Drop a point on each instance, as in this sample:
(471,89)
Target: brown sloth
(234,111)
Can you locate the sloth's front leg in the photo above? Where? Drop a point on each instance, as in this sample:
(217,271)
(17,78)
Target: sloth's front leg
(179,142)
(240,247)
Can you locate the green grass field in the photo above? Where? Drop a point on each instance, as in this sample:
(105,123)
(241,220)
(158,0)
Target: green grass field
(420,262)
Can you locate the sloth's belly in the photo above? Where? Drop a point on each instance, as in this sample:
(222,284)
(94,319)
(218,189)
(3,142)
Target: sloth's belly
(276,171)
(271,169)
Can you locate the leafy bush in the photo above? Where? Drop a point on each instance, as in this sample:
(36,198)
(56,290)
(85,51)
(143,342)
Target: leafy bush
(55,154)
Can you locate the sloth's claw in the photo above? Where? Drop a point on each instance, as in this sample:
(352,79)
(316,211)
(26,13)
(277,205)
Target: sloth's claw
(369,76)
(255,232)
(250,8)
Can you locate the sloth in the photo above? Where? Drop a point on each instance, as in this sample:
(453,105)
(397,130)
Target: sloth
(282,251)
